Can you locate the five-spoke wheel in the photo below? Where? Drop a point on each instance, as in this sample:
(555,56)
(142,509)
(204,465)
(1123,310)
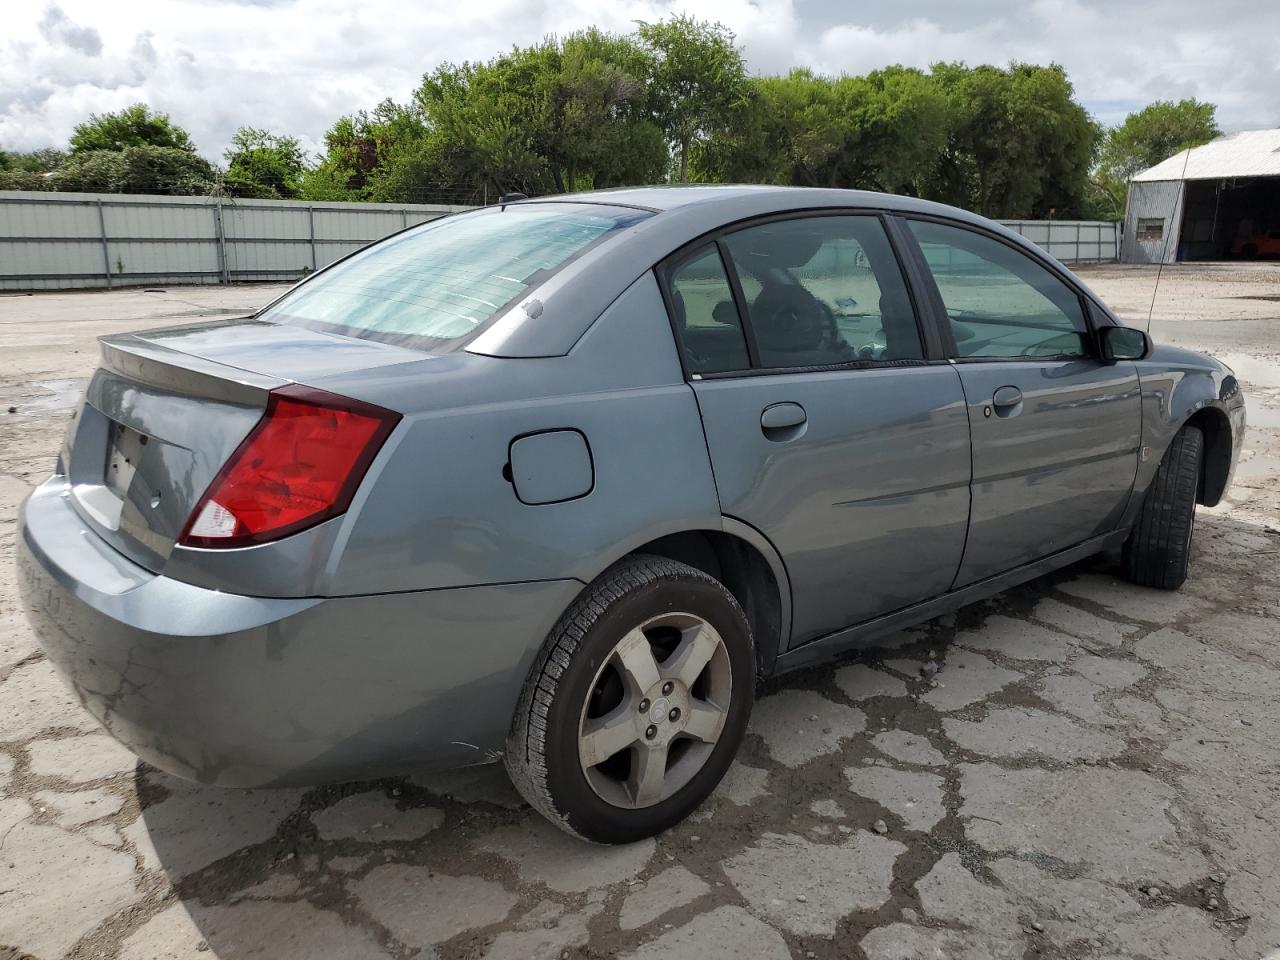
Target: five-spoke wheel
(656,710)
(637,702)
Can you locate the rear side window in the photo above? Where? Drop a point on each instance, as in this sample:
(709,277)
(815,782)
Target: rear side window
(1000,302)
(435,287)
(824,290)
(705,316)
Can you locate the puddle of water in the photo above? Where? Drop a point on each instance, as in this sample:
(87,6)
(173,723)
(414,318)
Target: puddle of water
(1258,371)
(63,395)
(1256,415)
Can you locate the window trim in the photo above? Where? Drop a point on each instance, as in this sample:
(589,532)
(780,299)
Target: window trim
(931,345)
(739,303)
(938,310)
(662,274)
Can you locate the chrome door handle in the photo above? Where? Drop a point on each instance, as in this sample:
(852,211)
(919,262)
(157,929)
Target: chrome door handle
(1007,401)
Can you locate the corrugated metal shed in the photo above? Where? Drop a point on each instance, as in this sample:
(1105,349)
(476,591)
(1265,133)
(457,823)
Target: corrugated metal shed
(1251,153)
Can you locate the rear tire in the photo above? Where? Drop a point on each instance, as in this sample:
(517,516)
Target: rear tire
(675,722)
(1158,551)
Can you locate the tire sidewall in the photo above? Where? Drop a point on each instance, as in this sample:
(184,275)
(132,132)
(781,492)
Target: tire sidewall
(586,812)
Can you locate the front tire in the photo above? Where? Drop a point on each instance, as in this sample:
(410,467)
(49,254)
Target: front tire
(1158,551)
(636,704)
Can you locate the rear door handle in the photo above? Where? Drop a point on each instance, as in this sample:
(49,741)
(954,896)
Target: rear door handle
(783,421)
(1007,401)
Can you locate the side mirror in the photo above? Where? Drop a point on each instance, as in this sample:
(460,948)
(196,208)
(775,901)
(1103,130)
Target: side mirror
(1123,343)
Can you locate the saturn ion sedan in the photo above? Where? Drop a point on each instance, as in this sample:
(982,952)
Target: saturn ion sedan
(557,482)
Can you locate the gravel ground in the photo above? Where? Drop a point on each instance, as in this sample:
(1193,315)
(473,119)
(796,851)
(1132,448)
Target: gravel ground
(1093,771)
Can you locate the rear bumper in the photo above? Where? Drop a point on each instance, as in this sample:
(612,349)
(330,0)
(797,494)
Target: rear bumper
(252,691)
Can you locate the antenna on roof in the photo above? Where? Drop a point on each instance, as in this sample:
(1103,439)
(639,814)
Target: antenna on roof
(1164,254)
(512,198)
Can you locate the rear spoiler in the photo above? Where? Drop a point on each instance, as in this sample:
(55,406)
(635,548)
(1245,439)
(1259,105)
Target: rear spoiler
(144,361)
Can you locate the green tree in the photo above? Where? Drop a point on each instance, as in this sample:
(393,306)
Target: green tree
(603,127)
(1157,132)
(350,155)
(1154,133)
(494,123)
(699,80)
(134,126)
(263,164)
(39,161)
(1018,145)
(368,156)
(16,178)
(136,169)
(879,132)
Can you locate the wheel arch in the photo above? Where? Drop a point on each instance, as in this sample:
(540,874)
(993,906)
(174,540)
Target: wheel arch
(747,564)
(1215,464)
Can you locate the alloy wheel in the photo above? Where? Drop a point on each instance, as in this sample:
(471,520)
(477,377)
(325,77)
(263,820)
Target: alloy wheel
(655,710)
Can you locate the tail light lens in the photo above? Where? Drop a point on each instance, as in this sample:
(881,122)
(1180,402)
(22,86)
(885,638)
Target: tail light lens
(299,466)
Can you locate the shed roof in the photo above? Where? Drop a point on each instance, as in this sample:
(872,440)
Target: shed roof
(1250,153)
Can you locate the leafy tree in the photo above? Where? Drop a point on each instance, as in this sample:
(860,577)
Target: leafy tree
(263,164)
(595,109)
(601,101)
(1019,144)
(136,169)
(1154,133)
(134,126)
(37,161)
(16,178)
(699,80)
(350,154)
(494,122)
(880,132)
(1157,132)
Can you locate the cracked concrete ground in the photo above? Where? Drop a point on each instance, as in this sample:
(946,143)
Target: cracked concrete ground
(1093,772)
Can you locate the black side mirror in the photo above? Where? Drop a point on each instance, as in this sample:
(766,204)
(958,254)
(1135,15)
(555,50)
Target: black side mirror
(1123,343)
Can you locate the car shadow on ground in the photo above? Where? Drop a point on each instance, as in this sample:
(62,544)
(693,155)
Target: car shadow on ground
(457,863)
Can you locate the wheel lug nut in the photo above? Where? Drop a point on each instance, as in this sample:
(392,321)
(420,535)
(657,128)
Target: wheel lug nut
(674,715)
(644,706)
(667,687)
(651,732)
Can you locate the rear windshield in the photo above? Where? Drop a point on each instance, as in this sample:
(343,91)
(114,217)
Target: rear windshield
(436,286)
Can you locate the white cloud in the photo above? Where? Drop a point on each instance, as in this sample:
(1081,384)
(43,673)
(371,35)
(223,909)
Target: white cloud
(57,28)
(296,66)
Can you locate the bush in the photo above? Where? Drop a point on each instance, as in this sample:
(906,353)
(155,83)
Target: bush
(143,169)
(25,180)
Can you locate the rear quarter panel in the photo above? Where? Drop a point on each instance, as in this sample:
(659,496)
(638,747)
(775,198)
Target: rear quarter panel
(440,512)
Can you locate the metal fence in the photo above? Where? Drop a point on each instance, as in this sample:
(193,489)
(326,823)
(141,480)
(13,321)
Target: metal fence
(56,241)
(1072,241)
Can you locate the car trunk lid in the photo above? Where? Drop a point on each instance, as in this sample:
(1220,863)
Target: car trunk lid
(166,410)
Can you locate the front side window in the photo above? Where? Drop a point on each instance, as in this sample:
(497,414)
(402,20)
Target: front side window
(1000,302)
(436,286)
(824,290)
(705,316)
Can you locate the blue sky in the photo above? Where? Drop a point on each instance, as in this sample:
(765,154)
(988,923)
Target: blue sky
(294,66)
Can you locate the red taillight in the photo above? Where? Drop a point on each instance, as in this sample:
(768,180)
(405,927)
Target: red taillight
(300,465)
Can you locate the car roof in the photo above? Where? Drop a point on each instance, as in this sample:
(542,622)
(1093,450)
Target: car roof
(672,196)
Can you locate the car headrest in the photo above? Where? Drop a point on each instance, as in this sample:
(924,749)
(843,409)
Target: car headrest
(726,313)
(677,307)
